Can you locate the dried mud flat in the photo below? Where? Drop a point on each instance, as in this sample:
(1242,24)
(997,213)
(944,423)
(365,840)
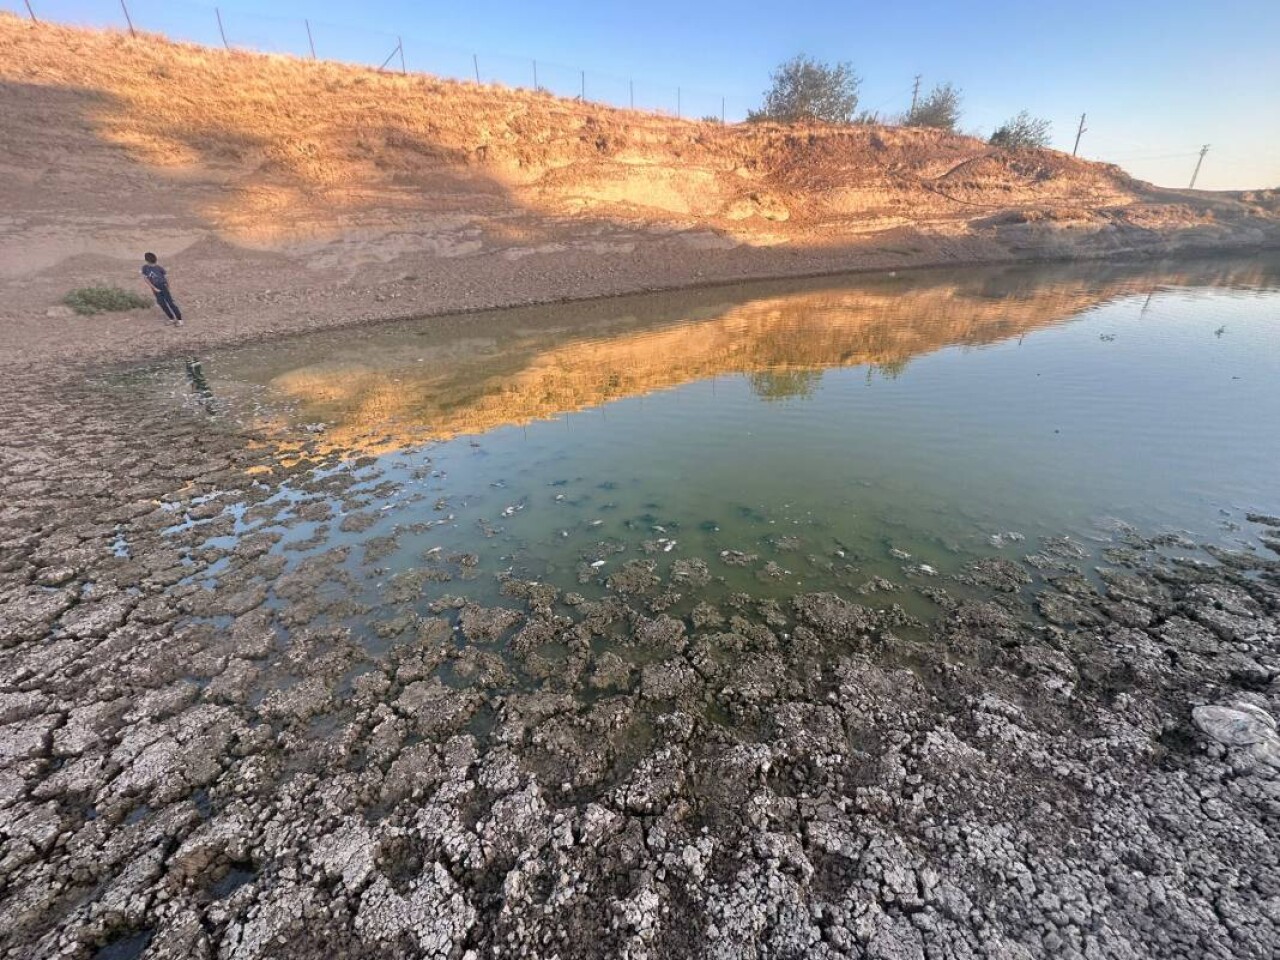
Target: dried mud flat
(198,760)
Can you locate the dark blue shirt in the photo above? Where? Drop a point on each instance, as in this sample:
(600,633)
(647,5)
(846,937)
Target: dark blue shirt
(155,274)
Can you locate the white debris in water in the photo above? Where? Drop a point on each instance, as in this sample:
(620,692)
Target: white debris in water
(598,564)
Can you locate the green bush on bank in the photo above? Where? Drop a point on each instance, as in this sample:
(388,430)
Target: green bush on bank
(90,300)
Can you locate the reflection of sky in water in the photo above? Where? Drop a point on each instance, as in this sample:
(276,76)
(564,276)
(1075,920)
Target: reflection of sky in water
(1155,408)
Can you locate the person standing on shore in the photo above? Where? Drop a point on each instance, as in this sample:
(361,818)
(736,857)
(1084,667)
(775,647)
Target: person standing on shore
(158,280)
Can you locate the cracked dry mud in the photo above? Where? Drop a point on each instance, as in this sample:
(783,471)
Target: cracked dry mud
(198,759)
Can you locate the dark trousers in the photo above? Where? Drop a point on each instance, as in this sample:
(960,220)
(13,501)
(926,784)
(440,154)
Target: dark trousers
(165,299)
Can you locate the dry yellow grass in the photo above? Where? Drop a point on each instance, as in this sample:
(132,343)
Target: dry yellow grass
(285,135)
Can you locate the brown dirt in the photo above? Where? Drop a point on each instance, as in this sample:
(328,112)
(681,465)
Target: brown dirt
(285,194)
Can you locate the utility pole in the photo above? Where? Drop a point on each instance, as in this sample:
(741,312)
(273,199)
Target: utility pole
(31,13)
(310,41)
(915,94)
(127,19)
(1203,151)
(218,14)
(1079,132)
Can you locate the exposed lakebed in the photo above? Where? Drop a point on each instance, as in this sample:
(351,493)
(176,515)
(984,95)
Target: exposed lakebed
(917,616)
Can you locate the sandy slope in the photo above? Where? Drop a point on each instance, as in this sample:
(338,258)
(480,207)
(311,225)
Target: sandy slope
(285,193)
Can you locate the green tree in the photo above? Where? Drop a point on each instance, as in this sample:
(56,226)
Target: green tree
(940,109)
(1023,130)
(805,89)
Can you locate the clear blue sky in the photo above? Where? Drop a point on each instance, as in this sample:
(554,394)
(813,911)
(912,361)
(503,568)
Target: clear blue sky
(1157,79)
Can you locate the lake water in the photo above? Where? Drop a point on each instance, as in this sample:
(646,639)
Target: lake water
(794,436)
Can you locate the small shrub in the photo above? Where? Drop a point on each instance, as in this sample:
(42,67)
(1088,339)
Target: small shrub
(939,109)
(804,89)
(711,118)
(90,300)
(1023,130)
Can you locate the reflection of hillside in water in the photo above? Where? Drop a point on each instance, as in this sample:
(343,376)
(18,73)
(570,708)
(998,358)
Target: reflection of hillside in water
(439,379)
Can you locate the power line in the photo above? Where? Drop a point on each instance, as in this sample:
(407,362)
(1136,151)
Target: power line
(1155,156)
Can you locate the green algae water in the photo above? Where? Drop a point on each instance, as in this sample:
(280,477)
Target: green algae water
(865,434)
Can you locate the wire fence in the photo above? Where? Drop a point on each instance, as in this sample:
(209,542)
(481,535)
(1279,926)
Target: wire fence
(235,28)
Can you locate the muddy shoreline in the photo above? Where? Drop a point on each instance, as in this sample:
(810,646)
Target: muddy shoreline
(1132,257)
(74,345)
(200,760)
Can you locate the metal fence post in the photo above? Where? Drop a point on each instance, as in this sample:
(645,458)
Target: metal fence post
(310,42)
(218,14)
(127,19)
(631,85)
(584,86)
(535,76)
(677,103)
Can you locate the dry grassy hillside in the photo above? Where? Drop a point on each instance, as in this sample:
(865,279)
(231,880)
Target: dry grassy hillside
(279,188)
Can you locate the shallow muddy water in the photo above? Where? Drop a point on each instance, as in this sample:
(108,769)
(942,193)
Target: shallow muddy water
(794,436)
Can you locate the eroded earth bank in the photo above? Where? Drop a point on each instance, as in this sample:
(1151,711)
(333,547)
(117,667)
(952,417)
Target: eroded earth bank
(201,759)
